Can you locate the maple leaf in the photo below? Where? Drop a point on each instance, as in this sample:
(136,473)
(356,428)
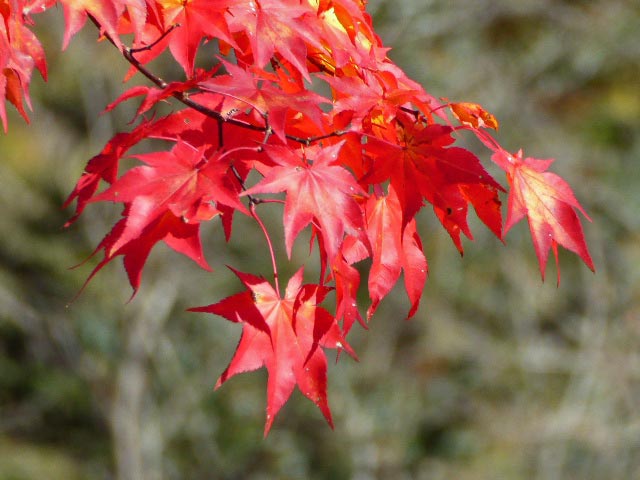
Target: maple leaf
(473,115)
(282,26)
(420,165)
(258,90)
(153,95)
(283,335)
(414,265)
(195,19)
(12,89)
(104,166)
(347,280)
(394,247)
(548,203)
(350,44)
(166,199)
(180,180)
(137,15)
(183,237)
(319,191)
(375,97)
(105,12)
(20,52)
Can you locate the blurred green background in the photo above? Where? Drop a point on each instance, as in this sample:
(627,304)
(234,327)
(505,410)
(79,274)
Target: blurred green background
(499,376)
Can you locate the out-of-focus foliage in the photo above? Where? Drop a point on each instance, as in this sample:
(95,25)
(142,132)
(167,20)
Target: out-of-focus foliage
(494,378)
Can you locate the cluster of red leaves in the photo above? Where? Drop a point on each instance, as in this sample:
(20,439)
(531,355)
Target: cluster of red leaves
(355,165)
(20,52)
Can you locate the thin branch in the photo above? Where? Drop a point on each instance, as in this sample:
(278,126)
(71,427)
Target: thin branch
(184,98)
(309,140)
(128,54)
(157,41)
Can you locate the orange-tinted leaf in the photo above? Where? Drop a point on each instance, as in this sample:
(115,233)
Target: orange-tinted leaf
(473,115)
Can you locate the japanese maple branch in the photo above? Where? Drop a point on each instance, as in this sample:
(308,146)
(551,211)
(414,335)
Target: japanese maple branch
(182,97)
(129,54)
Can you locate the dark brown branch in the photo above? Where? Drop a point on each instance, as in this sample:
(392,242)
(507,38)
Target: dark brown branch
(184,98)
(308,141)
(158,40)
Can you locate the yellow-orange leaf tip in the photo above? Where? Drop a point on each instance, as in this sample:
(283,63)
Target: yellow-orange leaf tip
(473,115)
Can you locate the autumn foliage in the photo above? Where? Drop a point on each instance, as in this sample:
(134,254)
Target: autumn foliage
(301,107)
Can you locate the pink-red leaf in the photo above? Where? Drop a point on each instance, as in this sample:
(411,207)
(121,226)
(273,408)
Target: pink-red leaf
(195,20)
(394,247)
(182,237)
(262,92)
(281,26)
(317,191)
(283,335)
(105,12)
(548,203)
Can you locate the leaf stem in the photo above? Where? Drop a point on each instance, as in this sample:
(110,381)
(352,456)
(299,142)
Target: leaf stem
(254,214)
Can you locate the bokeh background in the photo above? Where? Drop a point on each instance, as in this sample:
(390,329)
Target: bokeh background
(499,376)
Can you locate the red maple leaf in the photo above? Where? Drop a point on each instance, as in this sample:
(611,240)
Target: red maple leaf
(104,166)
(283,335)
(20,51)
(420,165)
(106,13)
(13,89)
(153,95)
(395,248)
(174,189)
(317,191)
(347,281)
(180,180)
(374,98)
(181,236)
(195,20)
(282,26)
(263,92)
(548,203)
